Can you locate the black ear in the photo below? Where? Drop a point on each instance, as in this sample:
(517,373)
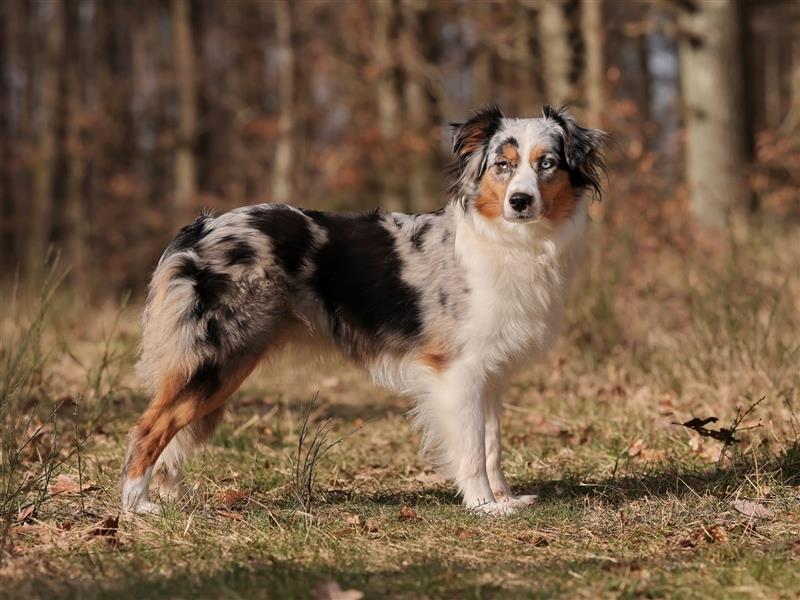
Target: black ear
(583,150)
(470,140)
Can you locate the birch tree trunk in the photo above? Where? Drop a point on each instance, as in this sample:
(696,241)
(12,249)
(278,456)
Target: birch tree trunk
(40,218)
(387,100)
(713,98)
(185,169)
(282,168)
(556,51)
(594,43)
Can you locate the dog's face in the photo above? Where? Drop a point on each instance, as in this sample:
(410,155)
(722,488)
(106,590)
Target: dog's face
(526,170)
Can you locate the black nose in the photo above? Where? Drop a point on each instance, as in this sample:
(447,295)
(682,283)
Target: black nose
(520,201)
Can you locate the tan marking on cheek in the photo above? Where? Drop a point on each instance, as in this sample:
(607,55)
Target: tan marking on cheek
(489,202)
(558,197)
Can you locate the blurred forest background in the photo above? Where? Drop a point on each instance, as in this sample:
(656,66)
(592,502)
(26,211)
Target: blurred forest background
(119,120)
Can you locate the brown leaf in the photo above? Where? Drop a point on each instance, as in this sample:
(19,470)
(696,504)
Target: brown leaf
(353,520)
(66,484)
(26,514)
(107,527)
(233,498)
(233,516)
(330,590)
(753,510)
(713,534)
(407,514)
(371,525)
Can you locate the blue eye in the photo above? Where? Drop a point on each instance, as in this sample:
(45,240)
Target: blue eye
(547,163)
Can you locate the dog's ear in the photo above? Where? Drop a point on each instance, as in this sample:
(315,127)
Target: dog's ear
(583,150)
(470,140)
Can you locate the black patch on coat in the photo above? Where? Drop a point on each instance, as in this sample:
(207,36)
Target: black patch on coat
(205,381)
(188,236)
(213,335)
(418,237)
(442,298)
(357,277)
(209,285)
(289,232)
(241,253)
(445,236)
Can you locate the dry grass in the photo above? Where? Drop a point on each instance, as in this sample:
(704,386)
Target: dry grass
(630,504)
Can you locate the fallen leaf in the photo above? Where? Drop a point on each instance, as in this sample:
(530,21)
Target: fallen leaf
(330,590)
(107,530)
(26,514)
(753,510)
(636,447)
(66,484)
(354,520)
(429,477)
(233,498)
(233,516)
(713,534)
(407,514)
(371,525)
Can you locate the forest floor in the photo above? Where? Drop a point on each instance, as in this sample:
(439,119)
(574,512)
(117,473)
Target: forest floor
(630,503)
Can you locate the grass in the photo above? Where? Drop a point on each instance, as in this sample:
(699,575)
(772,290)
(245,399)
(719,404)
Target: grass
(630,504)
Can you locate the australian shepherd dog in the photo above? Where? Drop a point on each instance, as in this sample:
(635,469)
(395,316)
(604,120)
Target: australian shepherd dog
(443,306)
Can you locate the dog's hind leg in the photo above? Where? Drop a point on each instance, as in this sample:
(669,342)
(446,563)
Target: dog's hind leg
(176,405)
(170,483)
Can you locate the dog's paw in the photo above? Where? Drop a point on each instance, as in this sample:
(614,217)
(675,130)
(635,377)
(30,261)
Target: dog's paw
(144,508)
(521,501)
(175,492)
(506,507)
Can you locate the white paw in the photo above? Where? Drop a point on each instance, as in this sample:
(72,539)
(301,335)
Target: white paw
(507,507)
(175,492)
(521,501)
(145,508)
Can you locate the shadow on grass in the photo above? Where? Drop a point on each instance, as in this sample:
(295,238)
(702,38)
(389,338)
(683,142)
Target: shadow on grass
(661,480)
(262,577)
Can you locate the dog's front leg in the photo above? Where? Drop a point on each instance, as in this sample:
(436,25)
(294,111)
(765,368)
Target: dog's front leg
(461,416)
(502,491)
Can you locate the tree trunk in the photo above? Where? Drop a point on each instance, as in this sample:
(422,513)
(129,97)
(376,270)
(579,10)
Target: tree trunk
(7,217)
(556,51)
(792,122)
(75,207)
(282,168)
(417,110)
(387,100)
(482,57)
(40,219)
(185,173)
(594,44)
(772,82)
(713,97)
(527,93)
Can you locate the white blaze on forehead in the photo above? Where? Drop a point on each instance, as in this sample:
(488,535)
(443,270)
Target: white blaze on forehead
(529,134)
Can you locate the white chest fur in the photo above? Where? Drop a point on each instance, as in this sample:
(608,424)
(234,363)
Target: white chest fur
(518,277)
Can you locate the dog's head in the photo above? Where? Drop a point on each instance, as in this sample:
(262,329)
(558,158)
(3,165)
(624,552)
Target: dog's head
(526,170)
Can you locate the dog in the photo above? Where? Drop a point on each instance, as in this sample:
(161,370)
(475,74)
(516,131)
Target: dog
(444,306)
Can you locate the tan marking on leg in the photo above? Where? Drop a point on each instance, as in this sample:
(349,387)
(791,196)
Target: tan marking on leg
(174,408)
